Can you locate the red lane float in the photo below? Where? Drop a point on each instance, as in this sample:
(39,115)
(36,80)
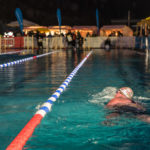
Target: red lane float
(26,132)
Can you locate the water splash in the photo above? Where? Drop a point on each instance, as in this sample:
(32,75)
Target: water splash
(141,98)
(104,96)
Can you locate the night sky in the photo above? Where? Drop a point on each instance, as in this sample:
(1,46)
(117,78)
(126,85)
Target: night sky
(74,12)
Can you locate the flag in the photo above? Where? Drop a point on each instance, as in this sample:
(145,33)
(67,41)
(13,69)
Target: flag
(97,19)
(59,18)
(19,17)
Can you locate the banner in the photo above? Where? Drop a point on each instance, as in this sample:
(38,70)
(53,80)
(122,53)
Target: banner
(19,17)
(59,18)
(97,20)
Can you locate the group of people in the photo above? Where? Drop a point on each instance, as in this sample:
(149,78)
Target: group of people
(116,33)
(123,104)
(74,40)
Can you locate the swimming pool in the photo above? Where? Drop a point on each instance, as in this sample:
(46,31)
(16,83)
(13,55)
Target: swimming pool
(76,119)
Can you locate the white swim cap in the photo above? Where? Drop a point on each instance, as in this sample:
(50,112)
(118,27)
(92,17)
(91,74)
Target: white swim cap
(126,91)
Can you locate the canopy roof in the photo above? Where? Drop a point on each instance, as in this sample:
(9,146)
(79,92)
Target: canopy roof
(144,21)
(109,27)
(62,27)
(26,23)
(108,30)
(85,27)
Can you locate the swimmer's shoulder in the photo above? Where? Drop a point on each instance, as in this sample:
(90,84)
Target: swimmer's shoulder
(113,102)
(118,101)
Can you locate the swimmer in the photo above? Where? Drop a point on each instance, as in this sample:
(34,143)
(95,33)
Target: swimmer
(122,103)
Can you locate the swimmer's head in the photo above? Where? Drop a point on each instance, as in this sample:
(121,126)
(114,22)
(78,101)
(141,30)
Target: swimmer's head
(126,91)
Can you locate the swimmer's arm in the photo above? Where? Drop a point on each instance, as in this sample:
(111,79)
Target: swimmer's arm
(117,102)
(135,105)
(138,106)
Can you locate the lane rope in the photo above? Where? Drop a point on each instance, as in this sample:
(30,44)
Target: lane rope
(21,139)
(14,52)
(23,60)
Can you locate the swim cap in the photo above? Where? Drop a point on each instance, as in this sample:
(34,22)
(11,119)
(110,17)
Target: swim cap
(126,91)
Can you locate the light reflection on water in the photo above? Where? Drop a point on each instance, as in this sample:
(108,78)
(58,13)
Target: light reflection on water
(77,116)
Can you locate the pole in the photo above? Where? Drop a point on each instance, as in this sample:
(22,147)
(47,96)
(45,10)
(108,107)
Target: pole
(129,18)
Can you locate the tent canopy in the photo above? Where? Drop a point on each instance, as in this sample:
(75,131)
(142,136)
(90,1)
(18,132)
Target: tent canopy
(85,27)
(107,30)
(144,21)
(26,23)
(110,27)
(84,30)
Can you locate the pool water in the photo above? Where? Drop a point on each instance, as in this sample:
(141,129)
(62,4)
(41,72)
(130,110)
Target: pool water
(78,117)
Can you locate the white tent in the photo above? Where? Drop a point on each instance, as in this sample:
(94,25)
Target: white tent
(26,23)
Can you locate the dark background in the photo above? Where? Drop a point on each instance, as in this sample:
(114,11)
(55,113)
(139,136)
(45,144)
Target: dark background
(74,12)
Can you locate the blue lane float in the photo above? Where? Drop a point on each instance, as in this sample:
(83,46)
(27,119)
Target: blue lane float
(21,139)
(23,60)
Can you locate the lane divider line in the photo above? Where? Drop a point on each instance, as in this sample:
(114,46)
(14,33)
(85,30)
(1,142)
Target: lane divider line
(21,139)
(14,52)
(23,60)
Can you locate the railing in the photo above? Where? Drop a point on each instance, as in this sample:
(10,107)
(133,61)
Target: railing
(7,42)
(27,42)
